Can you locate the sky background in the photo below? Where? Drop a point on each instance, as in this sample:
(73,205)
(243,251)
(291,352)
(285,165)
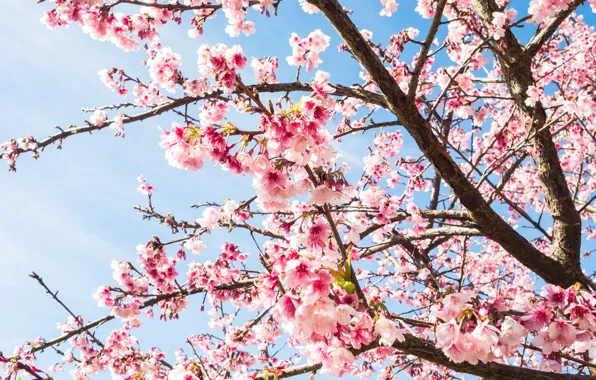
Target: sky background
(68,214)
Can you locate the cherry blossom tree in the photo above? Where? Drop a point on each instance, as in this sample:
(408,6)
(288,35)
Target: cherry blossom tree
(464,260)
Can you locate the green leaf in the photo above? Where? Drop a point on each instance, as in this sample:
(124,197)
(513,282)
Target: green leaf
(342,277)
(348,286)
(337,275)
(348,273)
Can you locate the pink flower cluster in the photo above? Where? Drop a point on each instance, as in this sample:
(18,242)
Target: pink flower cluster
(183,151)
(308,313)
(144,186)
(98,118)
(163,66)
(500,21)
(118,28)
(306,51)
(542,10)
(101,22)
(264,69)
(221,63)
(297,136)
(389,7)
(209,274)
(147,95)
(198,87)
(188,147)
(12,147)
(235,11)
(473,329)
(116,85)
(160,268)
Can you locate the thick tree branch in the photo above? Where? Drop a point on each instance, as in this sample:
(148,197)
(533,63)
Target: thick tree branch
(489,222)
(517,69)
(547,32)
(424,349)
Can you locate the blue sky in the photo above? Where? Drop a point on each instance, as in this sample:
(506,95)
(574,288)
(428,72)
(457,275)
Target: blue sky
(68,214)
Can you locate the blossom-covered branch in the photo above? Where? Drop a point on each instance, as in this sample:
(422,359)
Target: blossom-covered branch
(356,248)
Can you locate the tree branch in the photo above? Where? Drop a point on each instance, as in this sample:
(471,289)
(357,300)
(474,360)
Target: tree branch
(489,222)
(517,69)
(432,32)
(540,38)
(424,349)
(340,90)
(161,297)
(428,234)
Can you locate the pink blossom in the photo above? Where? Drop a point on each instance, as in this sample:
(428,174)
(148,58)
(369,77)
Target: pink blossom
(317,288)
(196,245)
(264,69)
(389,7)
(511,333)
(298,273)
(221,63)
(163,67)
(340,357)
(546,343)
(486,336)
(542,10)
(210,219)
(319,317)
(180,373)
(469,349)
(555,295)
(182,152)
(534,95)
(562,332)
(98,117)
(345,314)
(387,331)
(451,306)
(287,307)
(536,318)
(322,194)
(145,188)
(447,334)
(307,7)
(584,316)
(147,95)
(306,51)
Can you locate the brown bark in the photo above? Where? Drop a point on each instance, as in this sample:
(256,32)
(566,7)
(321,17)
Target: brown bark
(516,63)
(427,351)
(489,222)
